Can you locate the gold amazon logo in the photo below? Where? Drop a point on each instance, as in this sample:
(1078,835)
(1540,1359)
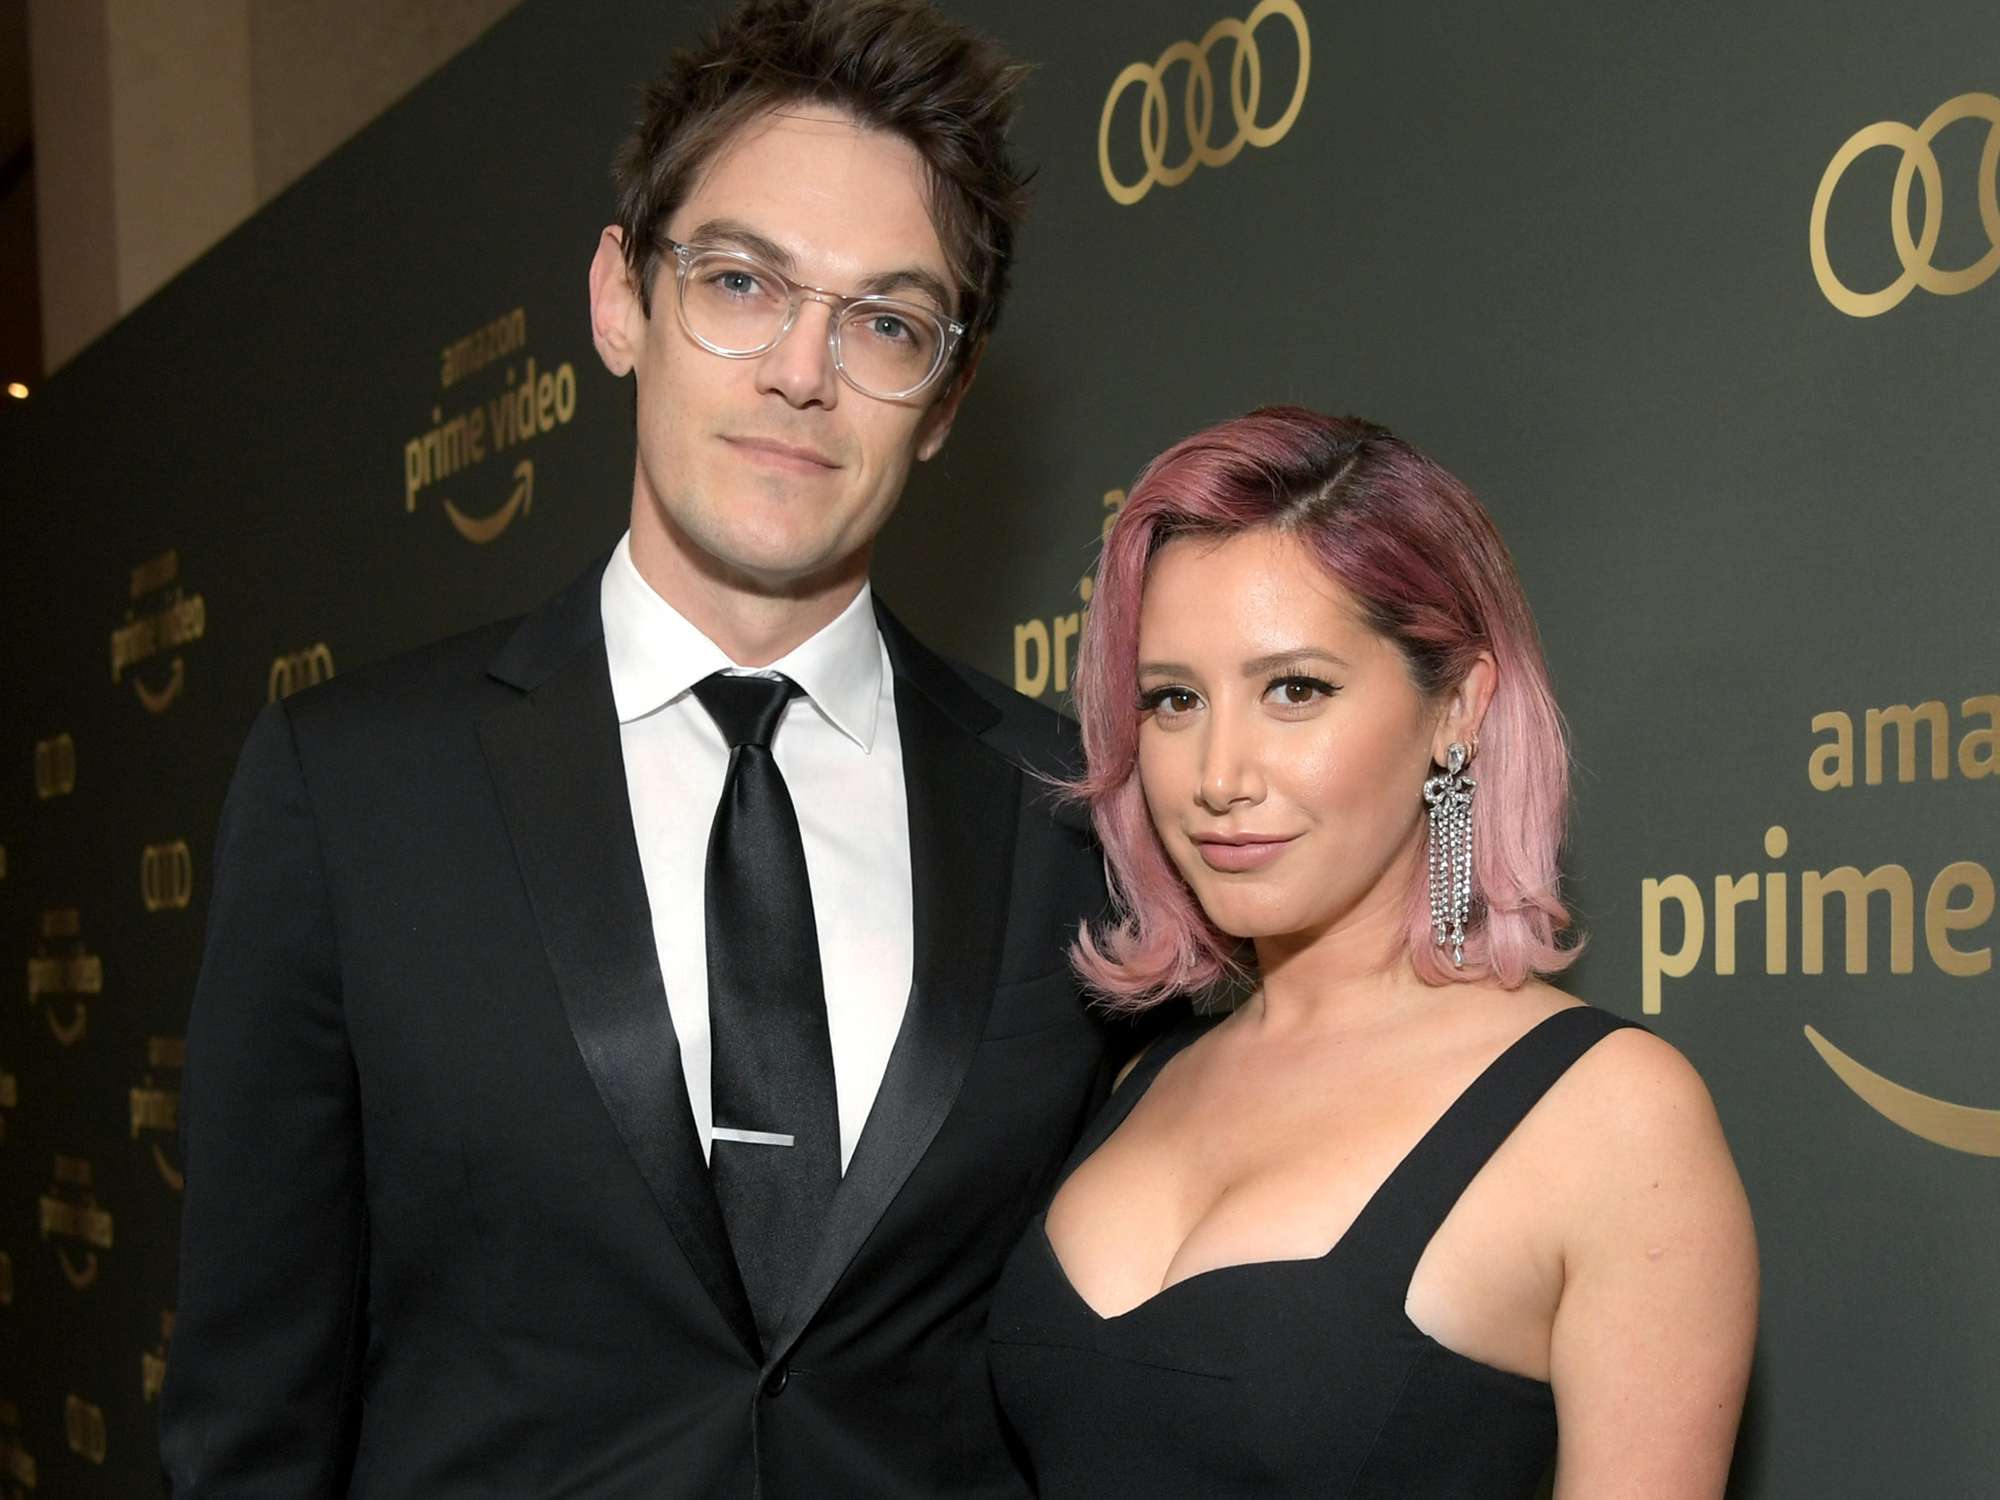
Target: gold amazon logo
(153,1361)
(1043,648)
(157,1111)
(520,500)
(161,618)
(529,404)
(69,1212)
(63,969)
(1959,1126)
(1797,913)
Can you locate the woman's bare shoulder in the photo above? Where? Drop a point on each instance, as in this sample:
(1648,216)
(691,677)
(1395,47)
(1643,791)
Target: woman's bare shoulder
(1641,1079)
(1632,1124)
(1659,1259)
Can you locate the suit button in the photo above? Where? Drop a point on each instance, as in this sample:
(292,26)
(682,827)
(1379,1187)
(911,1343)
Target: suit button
(776,1381)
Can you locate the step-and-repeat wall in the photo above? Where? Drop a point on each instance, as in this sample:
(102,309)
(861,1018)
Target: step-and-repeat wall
(1700,298)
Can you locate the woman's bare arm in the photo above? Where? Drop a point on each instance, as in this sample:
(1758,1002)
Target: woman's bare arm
(1650,1349)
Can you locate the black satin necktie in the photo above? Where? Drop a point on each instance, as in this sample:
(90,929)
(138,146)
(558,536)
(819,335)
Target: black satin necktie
(775,1157)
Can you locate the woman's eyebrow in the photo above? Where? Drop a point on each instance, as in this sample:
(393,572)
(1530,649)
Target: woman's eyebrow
(1271,661)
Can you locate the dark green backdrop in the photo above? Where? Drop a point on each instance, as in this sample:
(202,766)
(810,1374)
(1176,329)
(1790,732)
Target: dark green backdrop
(1567,249)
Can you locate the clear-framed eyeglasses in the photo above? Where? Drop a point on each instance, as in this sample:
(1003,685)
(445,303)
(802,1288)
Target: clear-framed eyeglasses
(739,306)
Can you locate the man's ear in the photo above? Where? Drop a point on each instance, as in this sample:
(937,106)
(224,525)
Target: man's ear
(617,321)
(944,411)
(1465,707)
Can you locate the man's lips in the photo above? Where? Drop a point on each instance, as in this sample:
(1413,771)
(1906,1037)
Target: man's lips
(794,456)
(1237,852)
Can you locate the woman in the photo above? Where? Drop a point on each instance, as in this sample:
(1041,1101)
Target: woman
(1405,1221)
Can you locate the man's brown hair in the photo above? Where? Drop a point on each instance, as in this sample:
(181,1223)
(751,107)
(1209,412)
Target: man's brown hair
(894,65)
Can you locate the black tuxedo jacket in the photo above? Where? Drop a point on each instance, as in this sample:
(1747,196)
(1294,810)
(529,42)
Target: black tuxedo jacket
(448,1231)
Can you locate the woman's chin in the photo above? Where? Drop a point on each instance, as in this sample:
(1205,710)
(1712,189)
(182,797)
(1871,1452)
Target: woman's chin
(1251,920)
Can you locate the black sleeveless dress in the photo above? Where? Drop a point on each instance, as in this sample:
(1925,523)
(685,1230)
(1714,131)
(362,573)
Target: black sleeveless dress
(1299,1377)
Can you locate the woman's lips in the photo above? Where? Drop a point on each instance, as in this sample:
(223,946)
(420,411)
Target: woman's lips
(1235,855)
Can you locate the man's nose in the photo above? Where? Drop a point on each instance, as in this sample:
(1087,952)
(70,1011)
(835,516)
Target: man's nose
(800,366)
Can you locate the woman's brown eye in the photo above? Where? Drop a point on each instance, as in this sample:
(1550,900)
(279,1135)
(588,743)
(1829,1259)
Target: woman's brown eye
(1301,692)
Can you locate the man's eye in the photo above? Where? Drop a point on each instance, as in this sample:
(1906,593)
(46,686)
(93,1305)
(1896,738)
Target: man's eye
(736,283)
(891,331)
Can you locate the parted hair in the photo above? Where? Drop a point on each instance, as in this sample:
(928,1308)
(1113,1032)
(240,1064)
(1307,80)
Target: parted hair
(1423,560)
(894,65)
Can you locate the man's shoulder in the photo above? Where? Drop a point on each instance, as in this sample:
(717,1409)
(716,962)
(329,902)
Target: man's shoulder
(1044,745)
(1005,721)
(1025,730)
(408,692)
(450,683)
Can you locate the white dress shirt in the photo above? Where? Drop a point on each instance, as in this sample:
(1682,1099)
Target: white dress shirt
(842,761)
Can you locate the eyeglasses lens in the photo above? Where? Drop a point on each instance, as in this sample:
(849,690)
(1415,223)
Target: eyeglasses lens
(738,307)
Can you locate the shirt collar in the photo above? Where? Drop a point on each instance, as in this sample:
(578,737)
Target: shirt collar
(657,654)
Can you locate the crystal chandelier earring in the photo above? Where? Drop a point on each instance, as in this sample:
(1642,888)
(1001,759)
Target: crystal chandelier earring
(1448,794)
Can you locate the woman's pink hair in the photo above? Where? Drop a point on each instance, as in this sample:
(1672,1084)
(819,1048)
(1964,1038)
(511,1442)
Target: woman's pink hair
(1421,557)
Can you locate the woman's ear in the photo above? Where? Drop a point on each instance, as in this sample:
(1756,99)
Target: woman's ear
(1465,707)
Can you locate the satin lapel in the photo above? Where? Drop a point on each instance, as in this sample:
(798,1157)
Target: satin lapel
(557,764)
(963,798)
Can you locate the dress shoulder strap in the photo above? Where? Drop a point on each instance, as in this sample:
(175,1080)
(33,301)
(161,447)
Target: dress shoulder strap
(1407,1210)
(1183,1033)
(1159,1052)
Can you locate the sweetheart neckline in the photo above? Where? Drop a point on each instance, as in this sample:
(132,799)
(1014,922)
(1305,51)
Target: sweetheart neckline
(1145,1077)
(1380,1192)
(1062,1273)
(1110,1320)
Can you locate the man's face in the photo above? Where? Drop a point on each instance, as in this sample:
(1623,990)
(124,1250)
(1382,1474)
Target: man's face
(770,473)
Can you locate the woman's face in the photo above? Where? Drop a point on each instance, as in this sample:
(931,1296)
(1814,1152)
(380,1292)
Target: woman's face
(1283,747)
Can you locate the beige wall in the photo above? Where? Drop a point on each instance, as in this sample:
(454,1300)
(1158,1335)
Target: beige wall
(180,134)
(160,125)
(321,71)
(69,54)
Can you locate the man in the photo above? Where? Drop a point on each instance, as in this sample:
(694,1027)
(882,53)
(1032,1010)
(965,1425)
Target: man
(630,1039)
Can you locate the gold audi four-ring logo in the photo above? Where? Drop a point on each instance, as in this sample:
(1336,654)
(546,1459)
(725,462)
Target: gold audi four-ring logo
(1246,87)
(1914,252)
(298,669)
(166,876)
(55,767)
